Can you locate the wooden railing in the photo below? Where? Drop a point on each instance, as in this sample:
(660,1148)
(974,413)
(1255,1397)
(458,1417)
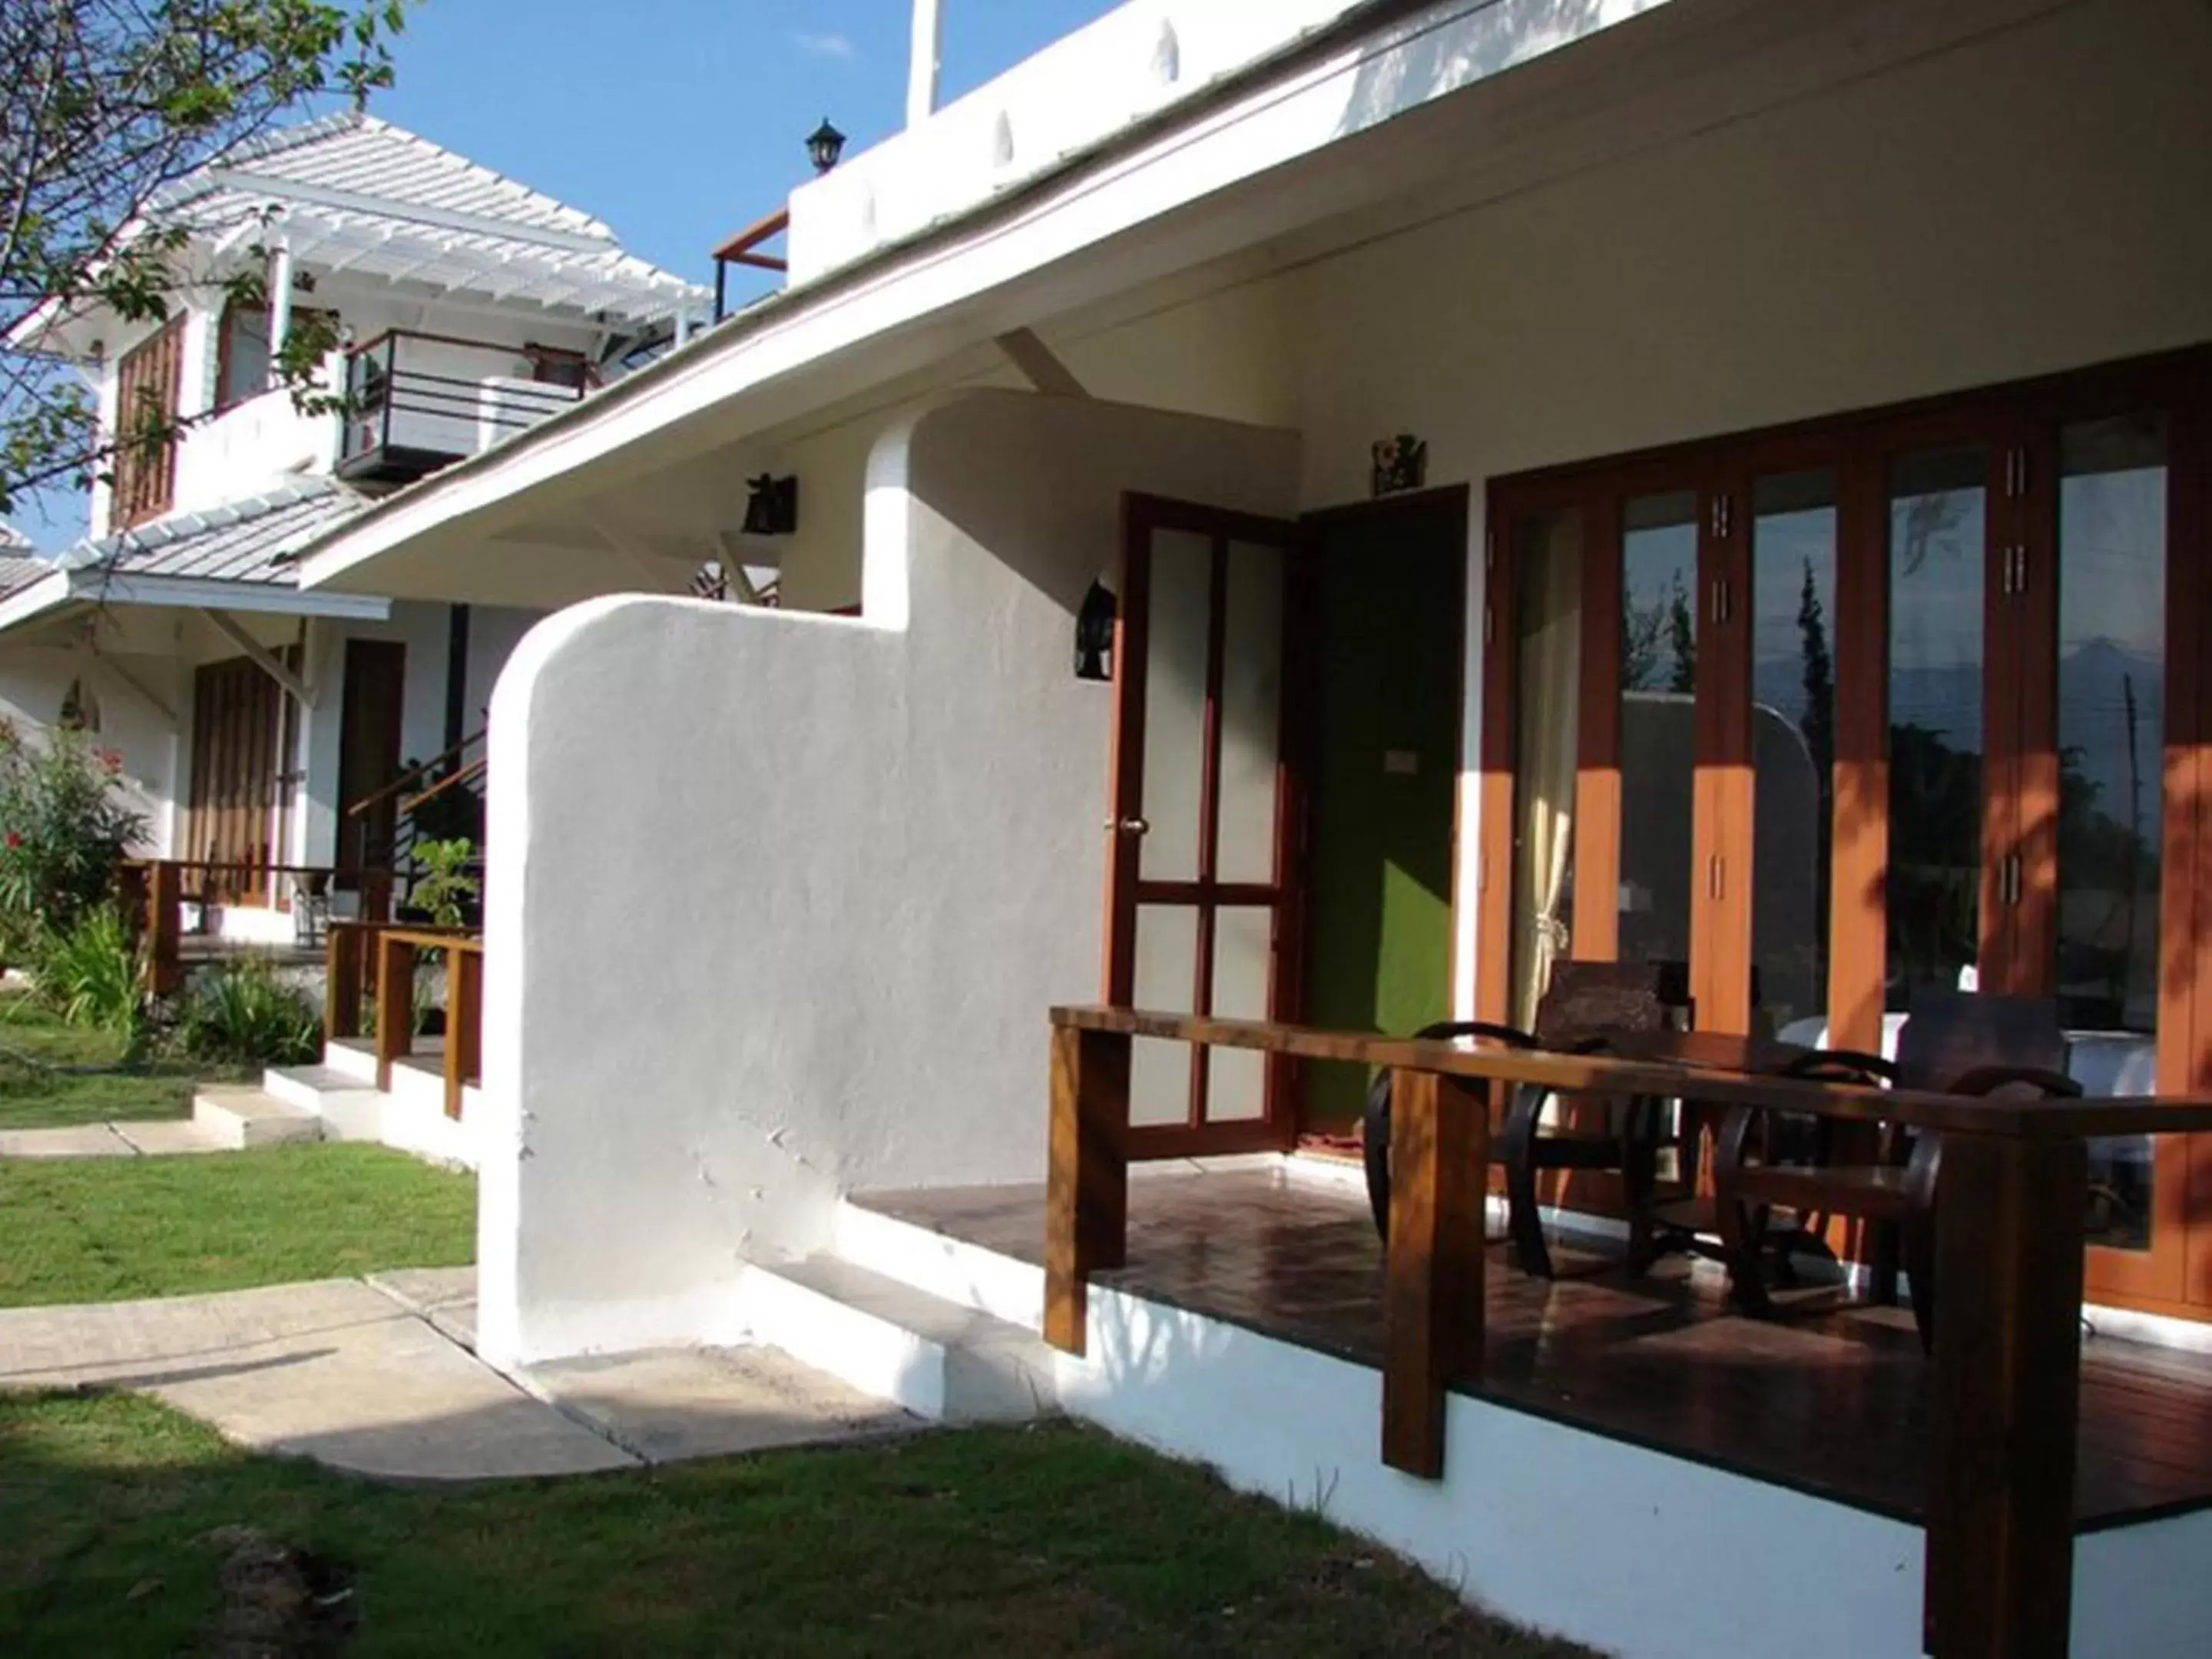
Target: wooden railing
(153,892)
(1999,1567)
(389,952)
(417,779)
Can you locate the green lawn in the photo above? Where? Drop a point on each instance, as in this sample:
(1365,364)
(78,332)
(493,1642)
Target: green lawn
(995,1542)
(105,1230)
(32,1097)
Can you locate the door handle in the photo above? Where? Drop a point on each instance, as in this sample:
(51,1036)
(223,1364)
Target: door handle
(1127,826)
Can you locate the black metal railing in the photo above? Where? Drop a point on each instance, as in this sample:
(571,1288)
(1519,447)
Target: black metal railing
(405,396)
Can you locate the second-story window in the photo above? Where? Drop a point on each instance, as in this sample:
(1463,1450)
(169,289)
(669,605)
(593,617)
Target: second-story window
(241,355)
(242,368)
(552,366)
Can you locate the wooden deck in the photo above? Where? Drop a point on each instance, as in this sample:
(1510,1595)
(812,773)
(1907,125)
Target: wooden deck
(1836,1404)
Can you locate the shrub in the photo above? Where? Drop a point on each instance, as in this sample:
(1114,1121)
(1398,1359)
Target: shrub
(242,1014)
(64,831)
(89,974)
(446,889)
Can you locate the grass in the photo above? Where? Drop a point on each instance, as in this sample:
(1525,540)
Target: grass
(104,1229)
(1054,1540)
(33,1098)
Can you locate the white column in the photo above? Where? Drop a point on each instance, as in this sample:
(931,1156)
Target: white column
(921,68)
(280,307)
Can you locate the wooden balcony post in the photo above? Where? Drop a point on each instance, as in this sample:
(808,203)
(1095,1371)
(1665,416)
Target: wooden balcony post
(1432,1298)
(165,894)
(464,1022)
(1087,1201)
(343,948)
(395,1003)
(2000,1550)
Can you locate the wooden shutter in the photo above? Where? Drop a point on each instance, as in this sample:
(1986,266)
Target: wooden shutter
(148,385)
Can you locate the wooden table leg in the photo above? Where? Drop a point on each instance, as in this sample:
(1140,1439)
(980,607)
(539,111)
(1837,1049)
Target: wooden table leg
(2000,1552)
(1433,1283)
(1087,1199)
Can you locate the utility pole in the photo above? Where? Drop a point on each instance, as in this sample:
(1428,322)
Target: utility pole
(921,67)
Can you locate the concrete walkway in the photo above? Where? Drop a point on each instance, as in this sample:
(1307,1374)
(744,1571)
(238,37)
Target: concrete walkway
(170,1135)
(378,1377)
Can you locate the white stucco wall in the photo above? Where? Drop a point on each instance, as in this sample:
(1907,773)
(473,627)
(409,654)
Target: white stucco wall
(809,947)
(35,679)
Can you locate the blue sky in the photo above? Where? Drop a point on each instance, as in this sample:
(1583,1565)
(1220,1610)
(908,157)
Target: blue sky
(675,121)
(679,121)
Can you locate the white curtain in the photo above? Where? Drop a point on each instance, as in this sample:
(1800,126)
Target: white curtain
(1549,625)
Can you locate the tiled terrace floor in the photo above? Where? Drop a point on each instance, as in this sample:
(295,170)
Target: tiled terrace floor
(1832,1402)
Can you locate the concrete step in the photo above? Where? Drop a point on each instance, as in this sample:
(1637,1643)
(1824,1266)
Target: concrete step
(354,1057)
(941,1361)
(350,1109)
(246,1116)
(967,1275)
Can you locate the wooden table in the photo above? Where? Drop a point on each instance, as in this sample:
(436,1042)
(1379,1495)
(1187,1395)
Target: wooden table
(1998,1570)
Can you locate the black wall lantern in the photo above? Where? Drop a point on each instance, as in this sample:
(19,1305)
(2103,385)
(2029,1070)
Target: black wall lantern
(825,145)
(1094,634)
(772,505)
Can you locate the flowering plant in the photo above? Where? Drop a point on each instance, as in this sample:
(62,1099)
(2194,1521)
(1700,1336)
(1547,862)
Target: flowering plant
(63,833)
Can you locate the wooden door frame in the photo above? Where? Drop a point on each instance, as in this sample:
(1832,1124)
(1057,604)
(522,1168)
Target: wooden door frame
(1143,515)
(2020,760)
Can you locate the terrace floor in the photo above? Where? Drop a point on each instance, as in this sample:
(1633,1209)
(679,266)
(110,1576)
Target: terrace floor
(1834,1402)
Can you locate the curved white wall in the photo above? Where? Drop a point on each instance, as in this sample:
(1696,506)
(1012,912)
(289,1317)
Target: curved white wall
(782,899)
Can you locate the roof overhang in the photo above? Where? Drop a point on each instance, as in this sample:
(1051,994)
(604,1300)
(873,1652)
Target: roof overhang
(1408,112)
(1204,180)
(90,584)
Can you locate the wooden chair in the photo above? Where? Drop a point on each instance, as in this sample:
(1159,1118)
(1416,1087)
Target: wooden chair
(1584,1002)
(1952,1042)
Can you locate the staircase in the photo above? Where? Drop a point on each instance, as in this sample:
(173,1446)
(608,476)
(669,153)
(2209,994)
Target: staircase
(946,1330)
(441,798)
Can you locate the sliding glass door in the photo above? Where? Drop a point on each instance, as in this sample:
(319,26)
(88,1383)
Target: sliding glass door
(1905,700)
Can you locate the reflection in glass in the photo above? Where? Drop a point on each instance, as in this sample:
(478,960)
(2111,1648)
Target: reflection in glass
(1236,1078)
(1175,702)
(1166,979)
(2112,728)
(1936,503)
(1658,722)
(1793,736)
(1547,588)
(1251,714)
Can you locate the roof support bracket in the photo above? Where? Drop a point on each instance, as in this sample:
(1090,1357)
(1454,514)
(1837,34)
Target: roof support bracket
(1040,367)
(145,693)
(261,657)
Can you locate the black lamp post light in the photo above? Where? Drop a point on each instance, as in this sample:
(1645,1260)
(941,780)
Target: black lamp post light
(825,145)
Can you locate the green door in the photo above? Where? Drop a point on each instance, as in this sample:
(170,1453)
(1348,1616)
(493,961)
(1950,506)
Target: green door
(1385,764)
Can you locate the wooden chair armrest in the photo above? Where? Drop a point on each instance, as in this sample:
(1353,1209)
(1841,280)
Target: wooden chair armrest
(1988,1079)
(1512,1036)
(1727,1145)
(1842,1065)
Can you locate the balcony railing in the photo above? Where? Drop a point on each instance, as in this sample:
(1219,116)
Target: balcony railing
(418,402)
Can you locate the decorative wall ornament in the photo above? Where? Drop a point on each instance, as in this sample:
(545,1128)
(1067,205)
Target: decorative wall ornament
(1400,464)
(1167,56)
(1094,634)
(772,508)
(79,709)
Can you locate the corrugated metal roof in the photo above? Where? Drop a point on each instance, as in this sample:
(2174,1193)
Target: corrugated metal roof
(246,541)
(351,192)
(18,571)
